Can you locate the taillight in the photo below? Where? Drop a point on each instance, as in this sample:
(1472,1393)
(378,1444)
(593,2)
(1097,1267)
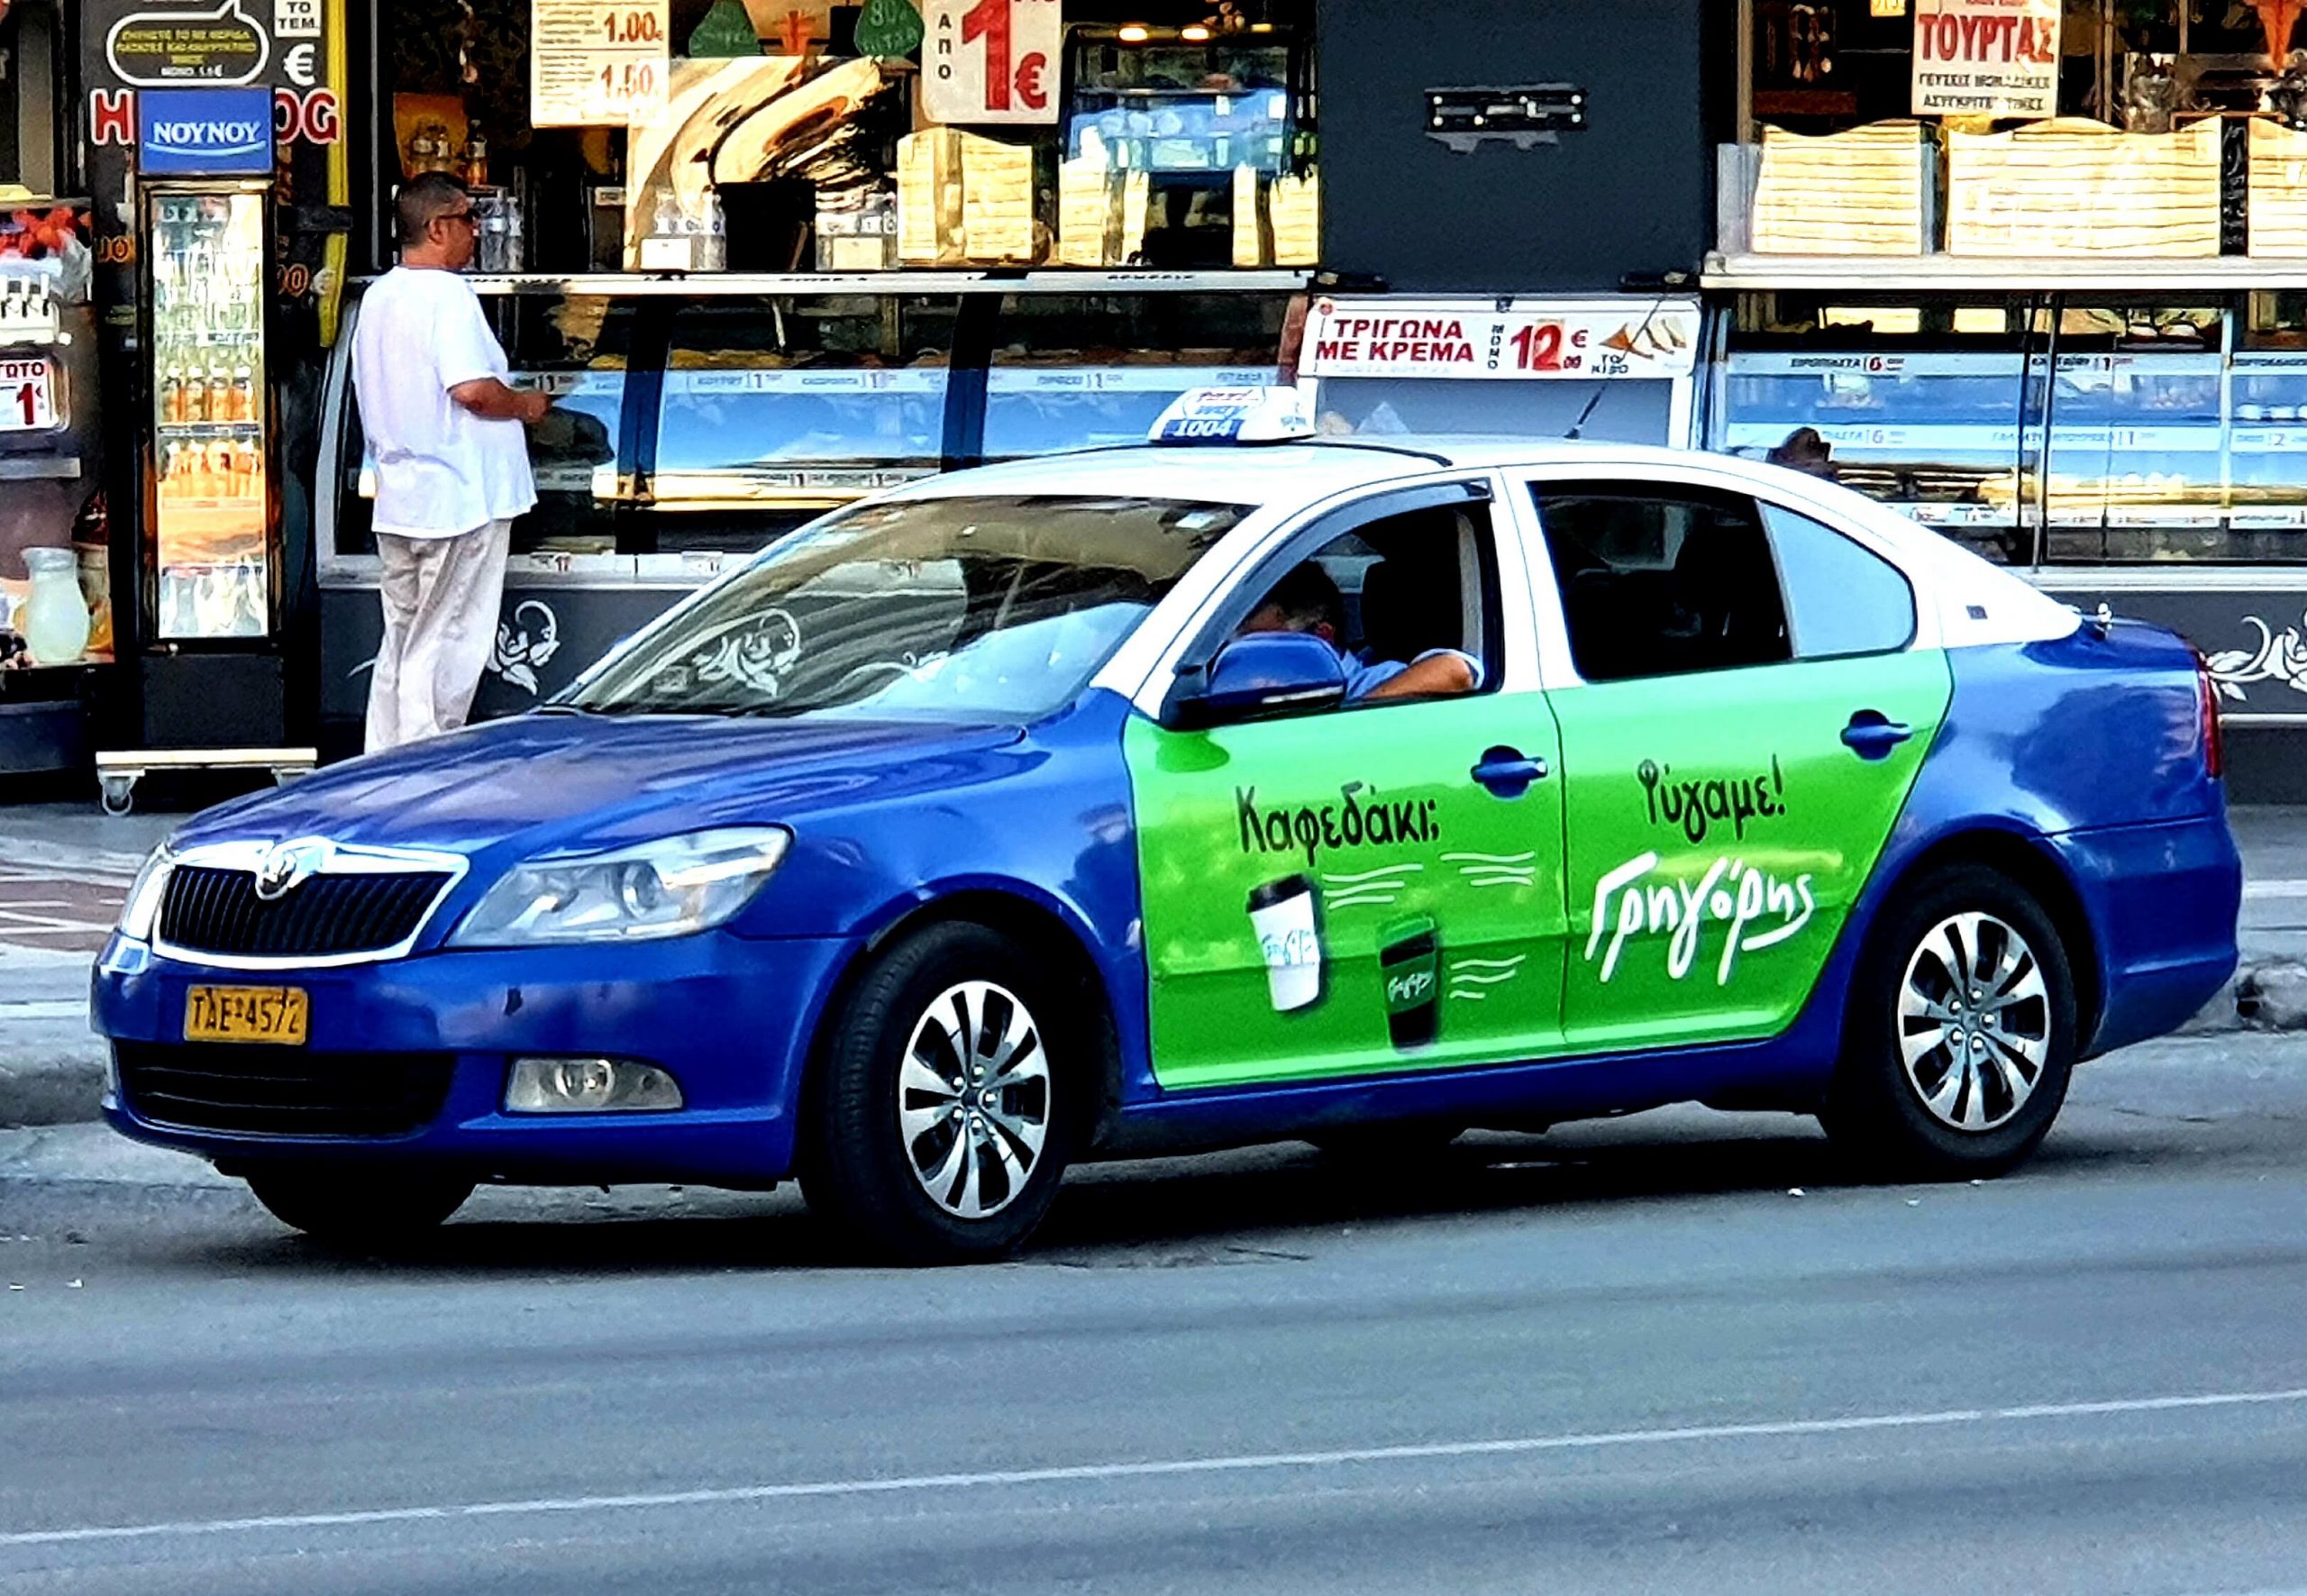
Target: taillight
(2214,738)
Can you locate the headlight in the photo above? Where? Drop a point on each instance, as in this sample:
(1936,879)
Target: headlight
(668,888)
(142,907)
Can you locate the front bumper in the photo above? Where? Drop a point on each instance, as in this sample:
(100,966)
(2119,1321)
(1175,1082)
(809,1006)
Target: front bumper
(730,1018)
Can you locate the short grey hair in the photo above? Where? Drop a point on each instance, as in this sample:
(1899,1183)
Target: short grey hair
(424,197)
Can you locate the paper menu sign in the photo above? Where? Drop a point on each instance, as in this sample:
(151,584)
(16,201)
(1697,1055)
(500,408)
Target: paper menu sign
(1986,58)
(597,65)
(991,60)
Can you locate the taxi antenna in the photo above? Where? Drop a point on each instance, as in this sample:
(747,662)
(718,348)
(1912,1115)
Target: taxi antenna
(1578,428)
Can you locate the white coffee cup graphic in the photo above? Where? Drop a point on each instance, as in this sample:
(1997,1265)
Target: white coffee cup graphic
(1283,914)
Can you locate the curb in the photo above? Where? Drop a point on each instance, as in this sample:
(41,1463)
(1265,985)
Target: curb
(73,861)
(2270,994)
(58,1084)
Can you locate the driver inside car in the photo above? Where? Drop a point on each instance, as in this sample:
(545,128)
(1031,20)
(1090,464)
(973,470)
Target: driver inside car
(1306,600)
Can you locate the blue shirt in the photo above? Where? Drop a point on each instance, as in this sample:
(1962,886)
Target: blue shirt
(1362,678)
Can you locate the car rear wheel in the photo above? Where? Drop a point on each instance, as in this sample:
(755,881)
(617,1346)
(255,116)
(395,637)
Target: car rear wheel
(352,1209)
(1962,1032)
(939,1123)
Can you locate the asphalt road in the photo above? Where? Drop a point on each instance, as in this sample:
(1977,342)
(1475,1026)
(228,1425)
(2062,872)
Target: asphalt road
(1621,1357)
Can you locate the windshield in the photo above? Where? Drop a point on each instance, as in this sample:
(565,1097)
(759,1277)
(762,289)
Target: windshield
(995,606)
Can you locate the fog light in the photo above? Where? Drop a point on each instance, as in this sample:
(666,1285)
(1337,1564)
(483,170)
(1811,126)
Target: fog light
(589,1086)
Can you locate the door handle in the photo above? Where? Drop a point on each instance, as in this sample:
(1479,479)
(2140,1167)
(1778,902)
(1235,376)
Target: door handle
(1872,734)
(1507,772)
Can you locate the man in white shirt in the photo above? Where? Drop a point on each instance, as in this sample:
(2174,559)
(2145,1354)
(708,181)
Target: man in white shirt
(451,463)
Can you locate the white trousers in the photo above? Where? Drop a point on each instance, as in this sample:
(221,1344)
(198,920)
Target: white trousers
(442,598)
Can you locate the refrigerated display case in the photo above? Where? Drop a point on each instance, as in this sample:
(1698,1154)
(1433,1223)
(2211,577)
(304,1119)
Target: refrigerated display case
(211,544)
(55,621)
(2134,445)
(203,585)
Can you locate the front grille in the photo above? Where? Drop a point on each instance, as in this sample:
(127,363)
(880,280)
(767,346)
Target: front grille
(282,1090)
(217,911)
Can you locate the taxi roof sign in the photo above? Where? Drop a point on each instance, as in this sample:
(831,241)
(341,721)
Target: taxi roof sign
(1234,415)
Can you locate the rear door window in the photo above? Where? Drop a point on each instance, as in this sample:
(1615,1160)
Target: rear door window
(1662,581)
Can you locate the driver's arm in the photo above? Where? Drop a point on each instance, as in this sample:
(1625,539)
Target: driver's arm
(1444,673)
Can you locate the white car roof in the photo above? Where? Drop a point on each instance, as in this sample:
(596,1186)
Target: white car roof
(1248,474)
(1976,602)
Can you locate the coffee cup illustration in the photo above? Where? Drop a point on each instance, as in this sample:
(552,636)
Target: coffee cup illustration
(1285,915)
(1409,964)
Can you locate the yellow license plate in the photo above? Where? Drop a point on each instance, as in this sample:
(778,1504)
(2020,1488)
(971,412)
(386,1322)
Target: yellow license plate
(276,1015)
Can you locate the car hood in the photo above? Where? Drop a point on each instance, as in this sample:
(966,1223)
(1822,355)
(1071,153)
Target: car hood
(558,780)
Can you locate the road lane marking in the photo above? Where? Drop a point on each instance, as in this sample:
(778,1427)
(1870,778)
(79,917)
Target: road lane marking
(2284,889)
(1074,1473)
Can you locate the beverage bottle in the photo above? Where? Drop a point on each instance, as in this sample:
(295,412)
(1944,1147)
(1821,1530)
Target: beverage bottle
(243,393)
(172,395)
(716,232)
(220,395)
(170,486)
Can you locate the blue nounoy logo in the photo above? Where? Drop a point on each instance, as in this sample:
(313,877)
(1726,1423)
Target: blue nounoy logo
(197,131)
(209,138)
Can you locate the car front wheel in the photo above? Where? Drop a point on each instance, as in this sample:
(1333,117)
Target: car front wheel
(1962,1032)
(939,1124)
(349,1208)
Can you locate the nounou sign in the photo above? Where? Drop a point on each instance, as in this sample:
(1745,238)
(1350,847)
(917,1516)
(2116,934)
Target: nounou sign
(205,132)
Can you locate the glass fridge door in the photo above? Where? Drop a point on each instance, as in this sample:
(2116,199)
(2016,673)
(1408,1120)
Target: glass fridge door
(212,522)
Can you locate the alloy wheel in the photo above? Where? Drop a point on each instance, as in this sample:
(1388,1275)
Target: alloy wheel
(973,1099)
(1974,1022)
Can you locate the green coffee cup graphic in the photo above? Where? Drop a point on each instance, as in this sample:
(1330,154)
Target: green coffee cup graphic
(1409,964)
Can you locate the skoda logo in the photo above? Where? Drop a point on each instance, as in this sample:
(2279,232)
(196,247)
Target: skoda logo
(288,865)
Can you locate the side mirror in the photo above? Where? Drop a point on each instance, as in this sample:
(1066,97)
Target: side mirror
(1265,673)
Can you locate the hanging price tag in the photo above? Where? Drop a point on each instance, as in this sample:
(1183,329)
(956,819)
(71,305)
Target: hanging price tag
(991,60)
(597,65)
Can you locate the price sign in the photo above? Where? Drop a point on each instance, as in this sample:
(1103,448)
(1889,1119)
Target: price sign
(991,60)
(597,65)
(1469,339)
(27,397)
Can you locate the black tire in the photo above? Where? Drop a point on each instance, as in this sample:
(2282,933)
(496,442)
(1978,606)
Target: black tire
(1405,1141)
(353,1208)
(1879,1112)
(857,1162)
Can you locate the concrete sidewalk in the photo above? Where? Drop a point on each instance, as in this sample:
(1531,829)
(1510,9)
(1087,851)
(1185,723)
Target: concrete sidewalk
(51,1068)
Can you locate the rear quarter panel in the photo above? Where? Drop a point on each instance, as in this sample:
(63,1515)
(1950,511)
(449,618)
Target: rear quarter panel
(2088,749)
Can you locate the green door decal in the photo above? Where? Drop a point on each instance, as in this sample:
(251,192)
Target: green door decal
(1718,831)
(1336,895)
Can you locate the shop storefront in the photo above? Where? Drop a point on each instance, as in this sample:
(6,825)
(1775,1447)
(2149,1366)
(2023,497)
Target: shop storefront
(771,258)
(2036,274)
(701,418)
(55,618)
